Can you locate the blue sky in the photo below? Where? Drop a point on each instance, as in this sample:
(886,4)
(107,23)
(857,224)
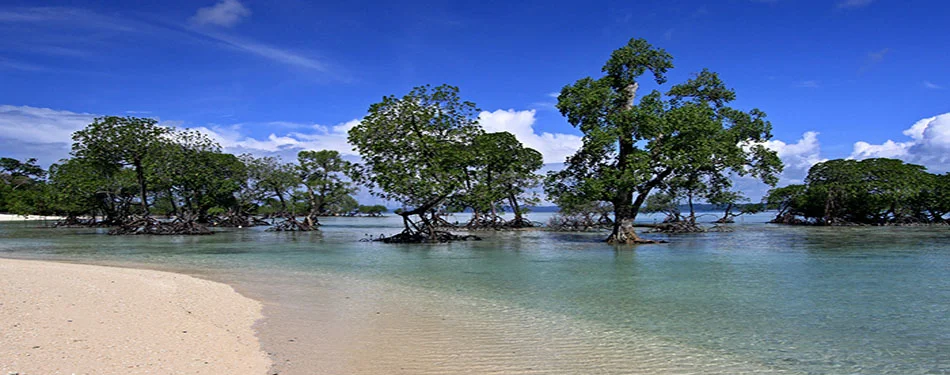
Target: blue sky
(284,75)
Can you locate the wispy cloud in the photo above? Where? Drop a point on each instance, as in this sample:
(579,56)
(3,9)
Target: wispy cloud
(809,84)
(69,21)
(847,4)
(65,16)
(932,86)
(873,59)
(226,13)
(269,52)
(17,65)
(877,56)
(547,105)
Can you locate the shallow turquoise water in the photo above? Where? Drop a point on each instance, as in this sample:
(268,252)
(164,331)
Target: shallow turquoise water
(812,300)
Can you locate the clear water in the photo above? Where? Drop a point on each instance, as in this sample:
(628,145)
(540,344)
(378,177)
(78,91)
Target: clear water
(787,299)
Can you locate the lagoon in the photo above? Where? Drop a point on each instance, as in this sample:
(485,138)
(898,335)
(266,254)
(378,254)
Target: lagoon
(760,299)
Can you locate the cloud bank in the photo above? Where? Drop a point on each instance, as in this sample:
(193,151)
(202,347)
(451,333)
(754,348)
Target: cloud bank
(554,146)
(929,145)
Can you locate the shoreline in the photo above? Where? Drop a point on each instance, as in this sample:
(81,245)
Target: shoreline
(12,217)
(66,318)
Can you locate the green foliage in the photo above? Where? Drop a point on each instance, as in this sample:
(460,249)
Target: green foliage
(323,176)
(415,148)
(269,177)
(21,182)
(16,174)
(196,175)
(114,142)
(872,191)
(501,169)
(82,187)
(685,139)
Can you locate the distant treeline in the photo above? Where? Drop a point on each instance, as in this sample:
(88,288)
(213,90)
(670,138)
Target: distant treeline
(865,192)
(123,167)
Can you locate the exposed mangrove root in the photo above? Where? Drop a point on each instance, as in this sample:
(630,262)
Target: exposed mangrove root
(787,218)
(626,234)
(579,223)
(678,227)
(489,222)
(522,222)
(236,219)
(411,236)
(73,221)
(440,222)
(291,224)
(147,225)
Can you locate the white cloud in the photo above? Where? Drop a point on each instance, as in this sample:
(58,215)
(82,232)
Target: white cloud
(40,125)
(810,84)
(309,137)
(929,145)
(554,146)
(42,133)
(798,156)
(226,13)
(854,3)
(932,86)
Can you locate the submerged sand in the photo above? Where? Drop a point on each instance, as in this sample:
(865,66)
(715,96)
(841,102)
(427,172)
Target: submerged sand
(79,319)
(334,324)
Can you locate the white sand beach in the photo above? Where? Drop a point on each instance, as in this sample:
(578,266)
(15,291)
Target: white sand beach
(58,318)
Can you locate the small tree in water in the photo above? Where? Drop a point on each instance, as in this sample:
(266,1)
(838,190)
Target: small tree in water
(501,171)
(415,151)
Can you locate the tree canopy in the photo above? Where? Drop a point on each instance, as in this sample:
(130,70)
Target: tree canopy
(323,174)
(871,191)
(415,149)
(113,142)
(501,170)
(666,140)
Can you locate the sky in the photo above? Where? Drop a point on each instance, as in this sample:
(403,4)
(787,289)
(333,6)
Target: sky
(838,78)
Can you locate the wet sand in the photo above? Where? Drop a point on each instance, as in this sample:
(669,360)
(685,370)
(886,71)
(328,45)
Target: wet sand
(58,318)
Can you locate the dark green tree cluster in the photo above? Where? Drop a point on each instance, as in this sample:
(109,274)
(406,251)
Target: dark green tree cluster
(426,151)
(22,187)
(124,170)
(686,141)
(868,192)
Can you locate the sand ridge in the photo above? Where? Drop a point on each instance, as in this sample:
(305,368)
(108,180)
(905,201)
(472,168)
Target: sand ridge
(58,318)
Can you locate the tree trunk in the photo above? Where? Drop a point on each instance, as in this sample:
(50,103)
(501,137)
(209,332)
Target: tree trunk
(140,175)
(280,197)
(171,199)
(515,208)
(692,211)
(625,208)
(625,213)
